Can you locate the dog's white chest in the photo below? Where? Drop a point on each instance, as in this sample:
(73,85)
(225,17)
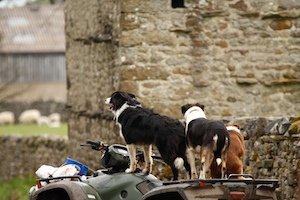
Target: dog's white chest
(120,127)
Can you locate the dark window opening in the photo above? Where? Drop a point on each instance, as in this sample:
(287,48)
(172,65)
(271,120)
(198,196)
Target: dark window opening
(177,3)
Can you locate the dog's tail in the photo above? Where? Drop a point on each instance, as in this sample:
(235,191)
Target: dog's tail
(221,145)
(218,160)
(179,162)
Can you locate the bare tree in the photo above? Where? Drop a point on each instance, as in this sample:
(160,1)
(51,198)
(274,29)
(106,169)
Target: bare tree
(10,74)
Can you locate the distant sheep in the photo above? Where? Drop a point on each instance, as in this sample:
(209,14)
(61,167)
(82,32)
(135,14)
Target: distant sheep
(43,121)
(29,116)
(54,119)
(7,117)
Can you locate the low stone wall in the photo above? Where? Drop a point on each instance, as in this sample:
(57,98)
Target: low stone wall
(23,155)
(271,153)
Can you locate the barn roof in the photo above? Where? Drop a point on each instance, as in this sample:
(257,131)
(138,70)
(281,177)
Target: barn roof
(32,29)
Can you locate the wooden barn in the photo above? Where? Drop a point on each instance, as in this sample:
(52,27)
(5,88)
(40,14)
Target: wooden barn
(32,53)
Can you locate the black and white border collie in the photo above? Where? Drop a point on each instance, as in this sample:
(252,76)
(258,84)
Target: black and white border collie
(141,126)
(211,136)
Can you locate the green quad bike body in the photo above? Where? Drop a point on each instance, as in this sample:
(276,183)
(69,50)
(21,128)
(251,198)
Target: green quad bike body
(114,184)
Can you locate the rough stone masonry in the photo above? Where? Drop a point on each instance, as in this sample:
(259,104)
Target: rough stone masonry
(238,58)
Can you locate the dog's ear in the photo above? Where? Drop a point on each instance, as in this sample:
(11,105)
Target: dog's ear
(131,95)
(117,95)
(236,125)
(131,99)
(200,105)
(185,108)
(127,96)
(133,102)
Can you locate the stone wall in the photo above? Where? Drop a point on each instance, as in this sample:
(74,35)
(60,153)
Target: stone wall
(270,154)
(237,58)
(232,56)
(23,155)
(92,49)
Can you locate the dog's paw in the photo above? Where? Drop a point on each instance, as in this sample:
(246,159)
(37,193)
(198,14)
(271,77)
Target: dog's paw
(145,171)
(202,175)
(194,176)
(129,170)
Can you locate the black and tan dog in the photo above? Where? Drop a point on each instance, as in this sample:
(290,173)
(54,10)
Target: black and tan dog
(211,136)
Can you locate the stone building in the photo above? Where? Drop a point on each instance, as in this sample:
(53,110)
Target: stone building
(238,58)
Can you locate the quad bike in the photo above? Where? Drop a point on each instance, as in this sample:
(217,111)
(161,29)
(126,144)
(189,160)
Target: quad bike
(113,183)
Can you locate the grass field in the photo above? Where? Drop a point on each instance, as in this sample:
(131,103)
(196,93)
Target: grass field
(17,188)
(33,130)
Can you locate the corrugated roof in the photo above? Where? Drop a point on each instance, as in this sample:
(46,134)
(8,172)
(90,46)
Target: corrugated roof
(38,28)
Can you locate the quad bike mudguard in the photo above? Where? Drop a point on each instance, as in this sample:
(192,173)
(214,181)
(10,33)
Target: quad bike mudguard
(66,190)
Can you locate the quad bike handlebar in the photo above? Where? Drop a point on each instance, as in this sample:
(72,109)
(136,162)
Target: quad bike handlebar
(116,156)
(98,145)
